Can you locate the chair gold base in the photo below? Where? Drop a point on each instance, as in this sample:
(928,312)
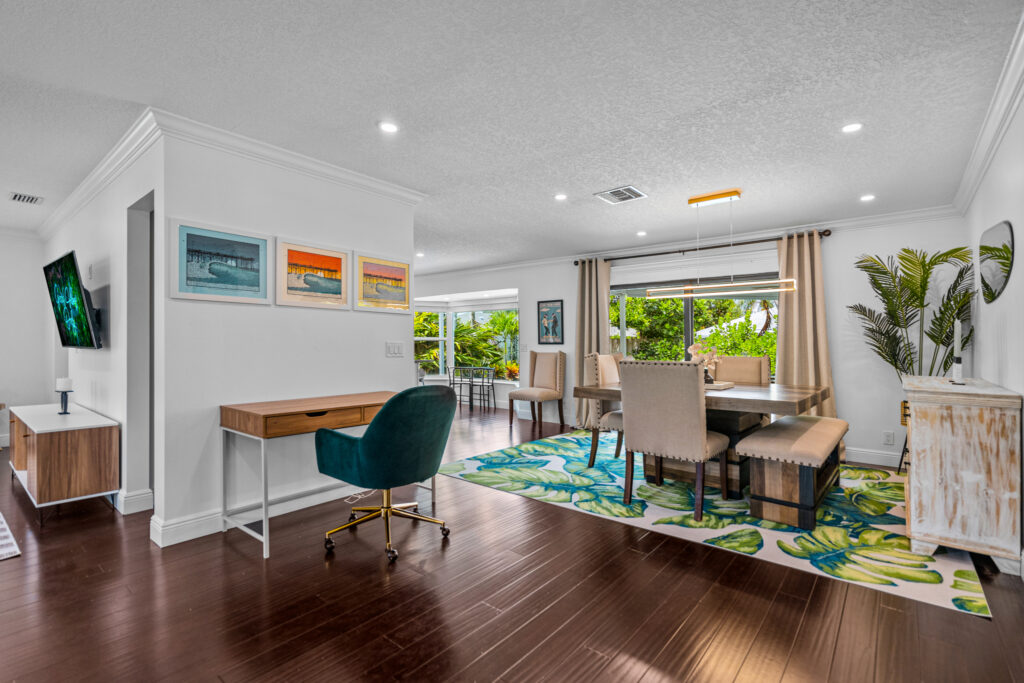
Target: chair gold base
(385,511)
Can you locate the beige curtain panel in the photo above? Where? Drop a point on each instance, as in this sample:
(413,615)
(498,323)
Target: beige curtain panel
(802,356)
(591,322)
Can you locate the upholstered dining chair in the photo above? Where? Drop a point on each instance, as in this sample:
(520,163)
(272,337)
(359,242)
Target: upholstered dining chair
(664,416)
(402,445)
(741,370)
(547,383)
(600,368)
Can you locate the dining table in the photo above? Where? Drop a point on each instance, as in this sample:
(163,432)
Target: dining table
(768,399)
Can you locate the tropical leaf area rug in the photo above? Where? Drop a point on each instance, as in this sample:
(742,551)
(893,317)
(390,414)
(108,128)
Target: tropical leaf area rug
(8,546)
(859,536)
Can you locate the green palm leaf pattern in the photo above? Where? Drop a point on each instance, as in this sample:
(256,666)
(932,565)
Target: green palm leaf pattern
(452,467)
(875,556)
(748,541)
(555,486)
(837,510)
(966,580)
(851,472)
(876,498)
(718,513)
(971,604)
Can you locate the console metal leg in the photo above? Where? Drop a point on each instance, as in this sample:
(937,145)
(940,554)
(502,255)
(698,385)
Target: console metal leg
(266,506)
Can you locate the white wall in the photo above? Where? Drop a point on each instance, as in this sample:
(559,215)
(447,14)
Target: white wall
(539,282)
(212,353)
(98,233)
(1000,324)
(25,321)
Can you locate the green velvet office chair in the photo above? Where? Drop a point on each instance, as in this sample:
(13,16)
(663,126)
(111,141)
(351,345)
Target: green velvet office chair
(403,445)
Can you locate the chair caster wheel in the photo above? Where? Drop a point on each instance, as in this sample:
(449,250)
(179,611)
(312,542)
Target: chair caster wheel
(328,545)
(392,554)
(445,531)
(352,517)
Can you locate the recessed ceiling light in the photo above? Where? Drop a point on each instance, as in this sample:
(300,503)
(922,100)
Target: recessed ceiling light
(560,197)
(852,127)
(388,126)
(641,233)
(867,197)
(420,254)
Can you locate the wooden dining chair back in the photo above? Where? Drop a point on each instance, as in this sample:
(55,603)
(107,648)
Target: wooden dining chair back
(744,369)
(664,416)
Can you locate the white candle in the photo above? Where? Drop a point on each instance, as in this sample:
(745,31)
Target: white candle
(956,339)
(63,384)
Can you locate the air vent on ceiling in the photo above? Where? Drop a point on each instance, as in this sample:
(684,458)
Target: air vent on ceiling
(23,198)
(620,195)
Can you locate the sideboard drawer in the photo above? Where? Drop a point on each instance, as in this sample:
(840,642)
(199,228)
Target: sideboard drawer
(302,423)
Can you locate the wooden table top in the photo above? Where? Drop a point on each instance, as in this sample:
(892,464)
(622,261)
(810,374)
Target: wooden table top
(309,405)
(776,399)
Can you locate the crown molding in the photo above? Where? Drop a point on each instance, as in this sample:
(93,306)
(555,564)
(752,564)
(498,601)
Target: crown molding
(884,220)
(27,234)
(1005,103)
(133,144)
(188,130)
(154,124)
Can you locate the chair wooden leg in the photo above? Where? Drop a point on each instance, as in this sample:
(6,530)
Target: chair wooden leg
(533,411)
(627,496)
(561,414)
(723,472)
(540,416)
(511,411)
(595,438)
(618,444)
(698,505)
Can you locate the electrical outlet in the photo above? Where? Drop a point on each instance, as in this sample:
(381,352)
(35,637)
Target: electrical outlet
(889,438)
(393,349)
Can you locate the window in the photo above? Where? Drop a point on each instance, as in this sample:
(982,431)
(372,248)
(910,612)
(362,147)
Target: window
(488,338)
(662,329)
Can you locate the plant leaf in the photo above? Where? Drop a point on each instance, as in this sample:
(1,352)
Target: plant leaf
(748,541)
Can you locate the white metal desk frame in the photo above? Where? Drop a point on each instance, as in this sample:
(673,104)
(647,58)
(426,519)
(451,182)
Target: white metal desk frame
(227,516)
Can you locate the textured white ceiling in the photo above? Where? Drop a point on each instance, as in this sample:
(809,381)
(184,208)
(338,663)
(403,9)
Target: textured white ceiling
(503,104)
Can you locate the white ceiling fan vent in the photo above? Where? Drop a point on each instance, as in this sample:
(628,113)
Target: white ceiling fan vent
(620,194)
(23,198)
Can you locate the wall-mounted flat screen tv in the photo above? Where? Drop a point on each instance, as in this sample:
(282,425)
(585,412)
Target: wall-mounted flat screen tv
(72,305)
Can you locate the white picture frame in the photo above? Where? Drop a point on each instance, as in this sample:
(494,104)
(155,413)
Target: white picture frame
(392,273)
(318,271)
(232,252)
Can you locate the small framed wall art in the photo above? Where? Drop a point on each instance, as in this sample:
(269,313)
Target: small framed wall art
(550,322)
(310,276)
(381,284)
(219,264)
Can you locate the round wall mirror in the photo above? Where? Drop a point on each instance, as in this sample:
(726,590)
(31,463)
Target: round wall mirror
(995,257)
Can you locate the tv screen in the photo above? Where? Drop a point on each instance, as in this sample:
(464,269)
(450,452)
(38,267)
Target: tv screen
(72,305)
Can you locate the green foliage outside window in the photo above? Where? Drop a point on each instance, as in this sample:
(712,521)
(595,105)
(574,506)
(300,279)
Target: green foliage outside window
(493,343)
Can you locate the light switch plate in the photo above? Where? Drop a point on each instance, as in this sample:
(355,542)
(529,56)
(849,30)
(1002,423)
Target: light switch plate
(394,349)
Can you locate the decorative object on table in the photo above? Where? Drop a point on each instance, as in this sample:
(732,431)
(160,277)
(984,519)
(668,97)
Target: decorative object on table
(995,260)
(64,388)
(902,283)
(8,544)
(403,445)
(707,356)
(313,277)
(382,284)
(860,536)
(77,321)
(550,322)
(219,264)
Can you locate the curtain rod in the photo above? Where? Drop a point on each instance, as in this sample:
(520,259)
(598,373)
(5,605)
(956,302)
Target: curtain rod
(823,233)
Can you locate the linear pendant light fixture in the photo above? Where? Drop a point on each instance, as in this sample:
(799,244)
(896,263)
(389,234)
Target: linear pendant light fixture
(720,289)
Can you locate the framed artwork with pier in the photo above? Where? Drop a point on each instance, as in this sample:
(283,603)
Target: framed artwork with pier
(314,277)
(219,264)
(381,284)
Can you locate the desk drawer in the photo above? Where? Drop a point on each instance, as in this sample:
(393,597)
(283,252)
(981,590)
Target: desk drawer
(302,423)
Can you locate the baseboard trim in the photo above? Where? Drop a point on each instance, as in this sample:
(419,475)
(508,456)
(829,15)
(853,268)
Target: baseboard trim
(128,503)
(189,527)
(865,456)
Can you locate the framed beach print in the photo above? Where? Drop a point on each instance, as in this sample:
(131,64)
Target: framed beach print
(550,323)
(219,264)
(314,277)
(381,284)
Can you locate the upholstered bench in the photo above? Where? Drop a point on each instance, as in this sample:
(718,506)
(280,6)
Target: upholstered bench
(794,463)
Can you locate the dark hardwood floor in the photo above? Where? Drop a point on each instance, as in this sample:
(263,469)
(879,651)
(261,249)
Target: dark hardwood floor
(522,590)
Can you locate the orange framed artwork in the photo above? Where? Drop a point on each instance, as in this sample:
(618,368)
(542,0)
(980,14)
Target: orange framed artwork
(310,276)
(382,284)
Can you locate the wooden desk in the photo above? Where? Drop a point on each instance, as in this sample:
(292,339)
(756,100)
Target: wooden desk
(273,419)
(773,399)
(770,399)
